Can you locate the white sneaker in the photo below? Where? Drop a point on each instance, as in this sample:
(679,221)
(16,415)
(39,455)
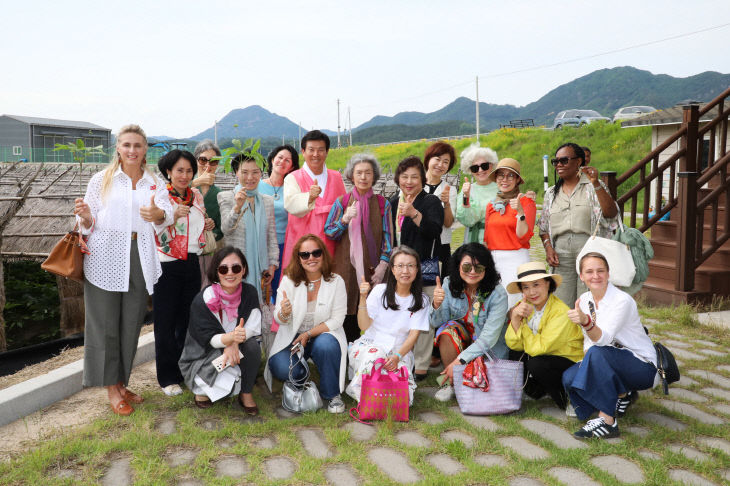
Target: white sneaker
(336,405)
(444,394)
(570,411)
(172,390)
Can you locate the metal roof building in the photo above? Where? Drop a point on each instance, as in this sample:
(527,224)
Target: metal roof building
(33,139)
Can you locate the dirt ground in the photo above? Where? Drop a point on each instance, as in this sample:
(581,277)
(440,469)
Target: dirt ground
(79,409)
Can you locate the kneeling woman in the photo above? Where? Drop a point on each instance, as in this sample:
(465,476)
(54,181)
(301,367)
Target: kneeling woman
(310,307)
(392,318)
(619,356)
(469,312)
(540,333)
(224,319)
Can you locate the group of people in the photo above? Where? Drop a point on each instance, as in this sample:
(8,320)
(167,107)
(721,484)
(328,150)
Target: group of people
(346,278)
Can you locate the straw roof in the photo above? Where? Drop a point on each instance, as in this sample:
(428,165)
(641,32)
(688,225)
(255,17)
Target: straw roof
(46,211)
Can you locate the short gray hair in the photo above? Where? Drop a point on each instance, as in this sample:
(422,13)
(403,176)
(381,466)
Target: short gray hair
(358,158)
(206,144)
(473,152)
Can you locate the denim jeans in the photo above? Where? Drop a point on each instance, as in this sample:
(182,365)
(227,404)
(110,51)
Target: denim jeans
(325,352)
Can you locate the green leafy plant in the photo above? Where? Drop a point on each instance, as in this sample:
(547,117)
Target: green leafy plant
(79,151)
(250,147)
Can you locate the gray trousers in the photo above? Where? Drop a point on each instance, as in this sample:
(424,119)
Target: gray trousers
(567,246)
(424,344)
(113,323)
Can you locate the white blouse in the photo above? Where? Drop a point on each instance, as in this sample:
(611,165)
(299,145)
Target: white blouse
(110,235)
(390,328)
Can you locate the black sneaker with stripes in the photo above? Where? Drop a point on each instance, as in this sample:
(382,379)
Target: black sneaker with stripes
(598,427)
(623,403)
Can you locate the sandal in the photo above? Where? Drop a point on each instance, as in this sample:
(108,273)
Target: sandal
(132,397)
(122,408)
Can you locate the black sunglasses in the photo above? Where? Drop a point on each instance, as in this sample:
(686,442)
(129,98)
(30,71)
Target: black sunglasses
(562,161)
(475,168)
(235,268)
(468,267)
(304,255)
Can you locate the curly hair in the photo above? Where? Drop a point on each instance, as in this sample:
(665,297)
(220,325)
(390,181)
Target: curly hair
(478,253)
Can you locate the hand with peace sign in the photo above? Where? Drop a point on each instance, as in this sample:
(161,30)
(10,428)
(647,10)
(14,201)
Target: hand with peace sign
(438,294)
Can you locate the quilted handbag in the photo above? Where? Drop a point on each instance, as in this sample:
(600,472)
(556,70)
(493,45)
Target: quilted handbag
(300,395)
(666,366)
(620,261)
(67,257)
(383,395)
(505,388)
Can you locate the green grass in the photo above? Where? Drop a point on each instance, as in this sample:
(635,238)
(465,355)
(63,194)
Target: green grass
(613,149)
(90,449)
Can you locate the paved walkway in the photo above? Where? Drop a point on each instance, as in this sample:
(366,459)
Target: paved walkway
(682,437)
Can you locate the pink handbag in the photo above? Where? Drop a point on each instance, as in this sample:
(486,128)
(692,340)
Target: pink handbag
(383,395)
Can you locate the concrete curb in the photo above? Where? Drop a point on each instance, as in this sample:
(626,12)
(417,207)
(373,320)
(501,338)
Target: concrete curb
(30,396)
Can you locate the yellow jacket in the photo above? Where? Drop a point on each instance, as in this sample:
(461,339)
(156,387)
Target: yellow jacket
(556,334)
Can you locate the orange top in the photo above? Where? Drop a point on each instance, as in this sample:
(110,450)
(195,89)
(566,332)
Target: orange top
(500,228)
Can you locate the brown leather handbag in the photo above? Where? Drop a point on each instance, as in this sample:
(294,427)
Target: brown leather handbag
(67,257)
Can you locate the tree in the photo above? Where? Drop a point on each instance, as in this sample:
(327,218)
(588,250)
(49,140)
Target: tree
(79,151)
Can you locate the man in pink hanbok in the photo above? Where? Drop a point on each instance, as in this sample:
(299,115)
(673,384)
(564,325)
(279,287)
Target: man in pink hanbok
(309,193)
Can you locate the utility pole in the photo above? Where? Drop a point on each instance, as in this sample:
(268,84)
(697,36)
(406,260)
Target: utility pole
(338,123)
(349,123)
(477,109)
(300,131)
(215,132)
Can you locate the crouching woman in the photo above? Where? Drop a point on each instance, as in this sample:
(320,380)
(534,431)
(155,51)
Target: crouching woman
(224,320)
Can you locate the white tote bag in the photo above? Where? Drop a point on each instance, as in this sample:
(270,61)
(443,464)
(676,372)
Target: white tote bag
(621,268)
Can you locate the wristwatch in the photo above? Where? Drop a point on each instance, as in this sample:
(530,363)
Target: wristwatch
(462,361)
(521,217)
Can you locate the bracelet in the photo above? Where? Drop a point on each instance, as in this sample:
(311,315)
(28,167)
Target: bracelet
(309,334)
(399,356)
(362,307)
(546,242)
(592,326)
(587,323)
(284,317)
(597,187)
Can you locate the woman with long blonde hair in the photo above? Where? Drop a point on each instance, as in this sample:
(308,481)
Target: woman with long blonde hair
(124,206)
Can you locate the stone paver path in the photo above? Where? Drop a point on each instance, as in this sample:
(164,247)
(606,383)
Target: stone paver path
(692,411)
(412,438)
(279,467)
(688,477)
(524,448)
(687,395)
(558,436)
(341,475)
(445,463)
(233,466)
(166,426)
(688,452)
(489,460)
(715,443)
(623,469)
(459,436)
(663,420)
(711,377)
(314,443)
(431,418)
(393,464)
(361,432)
(572,476)
(119,473)
(525,481)
(181,457)
(484,423)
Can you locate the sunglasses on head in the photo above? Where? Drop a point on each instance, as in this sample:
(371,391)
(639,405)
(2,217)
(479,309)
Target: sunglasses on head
(235,268)
(562,161)
(468,267)
(475,168)
(304,255)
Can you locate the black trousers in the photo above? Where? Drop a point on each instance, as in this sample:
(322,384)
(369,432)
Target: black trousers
(544,375)
(443,251)
(173,294)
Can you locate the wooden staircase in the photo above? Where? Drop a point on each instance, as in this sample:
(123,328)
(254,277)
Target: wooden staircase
(692,249)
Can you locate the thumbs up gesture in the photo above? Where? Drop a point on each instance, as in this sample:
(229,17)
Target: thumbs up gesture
(405,206)
(239,333)
(151,213)
(445,194)
(516,204)
(350,213)
(438,294)
(578,316)
(314,191)
(284,307)
(364,288)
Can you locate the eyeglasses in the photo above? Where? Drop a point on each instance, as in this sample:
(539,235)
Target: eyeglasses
(484,166)
(509,176)
(405,266)
(207,161)
(235,268)
(304,255)
(562,161)
(468,268)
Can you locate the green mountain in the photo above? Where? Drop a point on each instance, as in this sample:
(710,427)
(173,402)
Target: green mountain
(605,91)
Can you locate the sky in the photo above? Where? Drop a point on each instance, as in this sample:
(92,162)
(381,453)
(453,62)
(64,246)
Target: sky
(174,67)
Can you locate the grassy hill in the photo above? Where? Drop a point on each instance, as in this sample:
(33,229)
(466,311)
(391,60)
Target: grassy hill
(613,148)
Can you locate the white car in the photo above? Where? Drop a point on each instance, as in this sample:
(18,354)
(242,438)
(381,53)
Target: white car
(577,118)
(629,112)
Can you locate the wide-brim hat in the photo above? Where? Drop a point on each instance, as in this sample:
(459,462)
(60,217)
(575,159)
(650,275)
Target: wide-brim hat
(509,164)
(529,272)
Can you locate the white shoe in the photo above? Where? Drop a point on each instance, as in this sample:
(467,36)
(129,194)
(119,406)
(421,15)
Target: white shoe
(444,394)
(336,405)
(570,411)
(172,390)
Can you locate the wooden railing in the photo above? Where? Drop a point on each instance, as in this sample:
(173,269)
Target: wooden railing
(684,180)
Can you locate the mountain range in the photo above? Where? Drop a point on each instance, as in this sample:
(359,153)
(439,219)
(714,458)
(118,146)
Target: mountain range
(605,91)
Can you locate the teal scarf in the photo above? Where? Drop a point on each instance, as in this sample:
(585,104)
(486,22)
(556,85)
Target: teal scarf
(257,249)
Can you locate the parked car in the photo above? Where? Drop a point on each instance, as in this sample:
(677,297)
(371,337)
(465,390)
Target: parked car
(628,112)
(577,118)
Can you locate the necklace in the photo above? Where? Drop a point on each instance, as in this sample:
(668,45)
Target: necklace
(276,189)
(310,285)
